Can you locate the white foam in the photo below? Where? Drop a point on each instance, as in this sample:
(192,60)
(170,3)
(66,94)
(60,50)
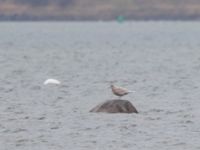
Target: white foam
(51,81)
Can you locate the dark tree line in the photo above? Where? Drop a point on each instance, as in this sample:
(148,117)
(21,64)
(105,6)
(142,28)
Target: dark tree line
(41,2)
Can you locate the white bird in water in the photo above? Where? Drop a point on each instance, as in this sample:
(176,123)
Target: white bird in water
(51,81)
(120,91)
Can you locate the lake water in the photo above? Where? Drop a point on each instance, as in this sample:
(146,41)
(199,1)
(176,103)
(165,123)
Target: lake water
(159,60)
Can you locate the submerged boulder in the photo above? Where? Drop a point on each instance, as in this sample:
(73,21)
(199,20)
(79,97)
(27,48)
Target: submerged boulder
(115,106)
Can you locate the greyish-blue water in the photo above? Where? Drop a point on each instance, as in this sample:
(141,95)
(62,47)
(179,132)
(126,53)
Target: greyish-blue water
(159,60)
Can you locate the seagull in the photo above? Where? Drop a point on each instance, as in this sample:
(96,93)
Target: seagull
(51,81)
(120,91)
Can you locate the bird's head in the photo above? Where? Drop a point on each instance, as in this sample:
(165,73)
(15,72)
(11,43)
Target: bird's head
(111,84)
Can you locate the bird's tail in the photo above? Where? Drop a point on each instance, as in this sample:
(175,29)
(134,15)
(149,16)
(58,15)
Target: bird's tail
(131,91)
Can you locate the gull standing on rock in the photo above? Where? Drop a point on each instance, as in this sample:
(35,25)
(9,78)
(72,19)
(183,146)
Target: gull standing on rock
(120,91)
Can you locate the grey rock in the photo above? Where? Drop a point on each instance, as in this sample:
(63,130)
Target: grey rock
(115,106)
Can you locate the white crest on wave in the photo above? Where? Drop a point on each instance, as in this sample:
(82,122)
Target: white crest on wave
(51,81)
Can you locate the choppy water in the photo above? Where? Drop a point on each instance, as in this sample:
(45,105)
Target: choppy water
(159,60)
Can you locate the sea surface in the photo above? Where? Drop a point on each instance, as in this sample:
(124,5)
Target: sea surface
(159,60)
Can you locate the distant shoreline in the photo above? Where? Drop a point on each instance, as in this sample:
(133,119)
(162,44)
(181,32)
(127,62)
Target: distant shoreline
(93,10)
(96,19)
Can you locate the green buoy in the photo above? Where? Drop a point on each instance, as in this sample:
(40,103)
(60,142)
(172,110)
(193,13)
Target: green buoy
(120,19)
